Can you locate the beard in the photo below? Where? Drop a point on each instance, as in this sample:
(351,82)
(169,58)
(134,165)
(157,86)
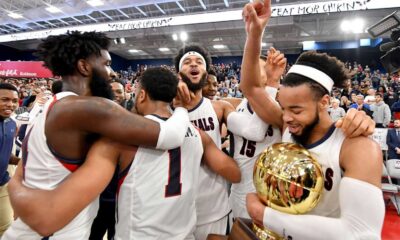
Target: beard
(307,130)
(194,87)
(100,87)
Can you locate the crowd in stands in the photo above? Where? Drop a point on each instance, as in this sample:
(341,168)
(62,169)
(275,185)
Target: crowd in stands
(369,90)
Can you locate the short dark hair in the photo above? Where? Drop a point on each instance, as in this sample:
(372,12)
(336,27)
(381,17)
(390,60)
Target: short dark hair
(61,53)
(8,86)
(160,83)
(117,80)
(211,71)
(378,94)
(331,66)
(195,48)
(56,87)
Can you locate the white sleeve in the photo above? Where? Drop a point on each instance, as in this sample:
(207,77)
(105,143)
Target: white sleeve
(362,215)
(173,131)
(252,127)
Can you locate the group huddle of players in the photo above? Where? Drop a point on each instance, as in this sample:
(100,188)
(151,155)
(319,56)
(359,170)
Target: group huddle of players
(172,175)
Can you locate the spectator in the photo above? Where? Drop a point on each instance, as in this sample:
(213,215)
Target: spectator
(8,128)
(381,112)
(345,103)
(335,111)
(361,106)
(393,141)
(119,95)
(390,97)
(370,98)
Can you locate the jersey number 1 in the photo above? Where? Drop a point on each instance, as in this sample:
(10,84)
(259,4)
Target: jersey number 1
(174,186)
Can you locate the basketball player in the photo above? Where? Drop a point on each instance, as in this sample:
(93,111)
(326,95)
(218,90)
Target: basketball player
(251,138)
(210,89)
(156,188)
(58,142)
(192,63)
(212,206)
(352,204)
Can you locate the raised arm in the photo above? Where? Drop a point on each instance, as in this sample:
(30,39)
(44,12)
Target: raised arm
(256,17)
(218,161)
(104,117)
(47,211)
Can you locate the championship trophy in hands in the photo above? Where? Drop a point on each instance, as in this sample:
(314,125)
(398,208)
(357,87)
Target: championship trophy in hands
(288,179)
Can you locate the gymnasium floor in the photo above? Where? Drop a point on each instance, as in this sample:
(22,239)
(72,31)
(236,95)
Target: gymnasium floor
(391,226)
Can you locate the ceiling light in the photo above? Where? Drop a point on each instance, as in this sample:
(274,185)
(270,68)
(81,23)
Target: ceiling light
(308,45)
(15,15)
(263,44)
(345,25)
(95,3)
(183,36)
(53,9)
(122,40)
(163,49)
(133,50)
(175,36)
(358,26)
(219,46)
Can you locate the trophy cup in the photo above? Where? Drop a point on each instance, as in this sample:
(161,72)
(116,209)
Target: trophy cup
(288,179)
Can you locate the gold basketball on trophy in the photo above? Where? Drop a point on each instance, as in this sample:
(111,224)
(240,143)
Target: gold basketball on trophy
(288,179)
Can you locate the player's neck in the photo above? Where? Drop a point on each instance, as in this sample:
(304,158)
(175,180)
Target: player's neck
(195,100)
(321,129)
(158,108)
(76,85)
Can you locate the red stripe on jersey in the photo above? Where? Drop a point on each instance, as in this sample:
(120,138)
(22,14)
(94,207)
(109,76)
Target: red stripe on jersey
(70,167)
(120,182)
(51,105)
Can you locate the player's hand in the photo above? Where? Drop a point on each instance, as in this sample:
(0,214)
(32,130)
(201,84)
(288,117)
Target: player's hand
(356,123)
(255,208)
(183,92)
(183,96)
(275,67)
(256,16)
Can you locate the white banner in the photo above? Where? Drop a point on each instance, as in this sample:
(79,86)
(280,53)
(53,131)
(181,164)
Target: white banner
(379,136)
(278,11)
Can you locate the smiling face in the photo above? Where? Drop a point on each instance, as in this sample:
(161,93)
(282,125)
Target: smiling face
(210,89)
(300,111)
(8,102)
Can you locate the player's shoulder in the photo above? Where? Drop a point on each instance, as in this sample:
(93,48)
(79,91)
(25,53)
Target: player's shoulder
(81,105)
(233,101)
(361,149)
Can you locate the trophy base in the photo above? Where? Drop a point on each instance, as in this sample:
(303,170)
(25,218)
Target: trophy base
(264,234)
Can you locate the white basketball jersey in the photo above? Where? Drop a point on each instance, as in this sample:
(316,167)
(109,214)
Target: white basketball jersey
(212,196)
(44,170)
(156,199)
(326,151)
(245,154)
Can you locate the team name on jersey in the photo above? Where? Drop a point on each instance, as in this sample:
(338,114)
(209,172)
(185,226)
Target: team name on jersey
(205,124)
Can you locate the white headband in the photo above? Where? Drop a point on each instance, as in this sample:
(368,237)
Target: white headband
(191,53)
(314,74)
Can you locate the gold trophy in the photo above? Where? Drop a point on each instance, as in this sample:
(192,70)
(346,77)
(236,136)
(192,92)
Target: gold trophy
(288,179)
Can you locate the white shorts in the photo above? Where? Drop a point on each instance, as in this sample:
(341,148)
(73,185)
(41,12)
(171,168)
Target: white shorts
(217,227)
